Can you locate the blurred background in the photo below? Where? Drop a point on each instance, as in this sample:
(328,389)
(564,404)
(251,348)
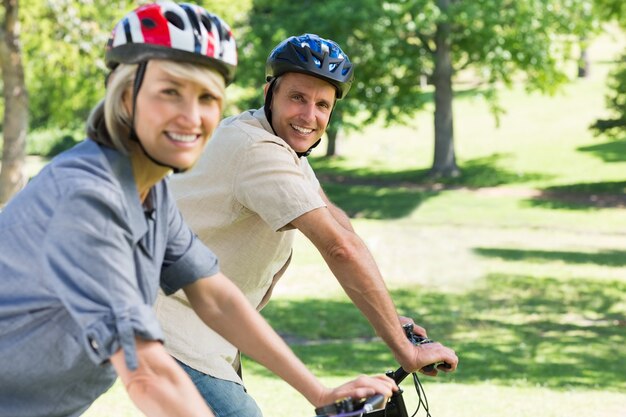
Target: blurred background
(481,154)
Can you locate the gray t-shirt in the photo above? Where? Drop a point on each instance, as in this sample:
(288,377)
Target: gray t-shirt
(81,261)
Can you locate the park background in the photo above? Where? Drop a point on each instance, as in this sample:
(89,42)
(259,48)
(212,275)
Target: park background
(514,254)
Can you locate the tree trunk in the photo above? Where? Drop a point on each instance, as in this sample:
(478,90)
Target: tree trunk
(583,60)
(332,132)
(15,124)
(444,161)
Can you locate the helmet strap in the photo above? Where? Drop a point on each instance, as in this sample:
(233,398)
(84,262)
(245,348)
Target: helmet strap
(267,106)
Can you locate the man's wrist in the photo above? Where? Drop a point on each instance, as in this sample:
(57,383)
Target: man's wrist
(406,355)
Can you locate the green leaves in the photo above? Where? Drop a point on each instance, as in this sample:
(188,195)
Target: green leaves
(391,44)
(63,56)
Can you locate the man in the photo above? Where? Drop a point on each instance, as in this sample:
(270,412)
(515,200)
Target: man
(251,189)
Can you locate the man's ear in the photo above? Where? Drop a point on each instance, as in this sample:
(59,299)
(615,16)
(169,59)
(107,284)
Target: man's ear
(265,89)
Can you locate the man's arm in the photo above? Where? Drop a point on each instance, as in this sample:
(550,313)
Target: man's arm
(159,386)
(222,306)
(330,230)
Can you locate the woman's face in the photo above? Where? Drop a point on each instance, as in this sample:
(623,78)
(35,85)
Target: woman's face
(174,117)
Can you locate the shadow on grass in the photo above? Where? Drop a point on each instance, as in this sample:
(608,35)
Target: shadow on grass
(384,194)
(582,196)
(611,151)
(512,330)
(611,258)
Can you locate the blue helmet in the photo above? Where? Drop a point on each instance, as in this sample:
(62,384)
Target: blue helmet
(312,55)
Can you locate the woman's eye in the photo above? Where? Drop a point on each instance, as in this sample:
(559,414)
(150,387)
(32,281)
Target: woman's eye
(170,92)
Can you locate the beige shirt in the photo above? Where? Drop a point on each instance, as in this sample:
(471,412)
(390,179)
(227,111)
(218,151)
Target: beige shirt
(239,199)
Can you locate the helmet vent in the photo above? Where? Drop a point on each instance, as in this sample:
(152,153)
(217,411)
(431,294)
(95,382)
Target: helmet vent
(179,32)
(206,22)
(312,55)
(175,19)
(148,23)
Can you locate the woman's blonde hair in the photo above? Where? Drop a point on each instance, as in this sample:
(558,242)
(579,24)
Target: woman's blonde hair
(109,122)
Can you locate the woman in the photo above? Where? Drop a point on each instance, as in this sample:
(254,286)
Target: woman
(85,246)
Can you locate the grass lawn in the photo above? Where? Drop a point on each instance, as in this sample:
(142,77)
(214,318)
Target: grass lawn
(519,265)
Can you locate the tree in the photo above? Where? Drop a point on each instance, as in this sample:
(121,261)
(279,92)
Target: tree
(615,127)
(15,120)
(396,43)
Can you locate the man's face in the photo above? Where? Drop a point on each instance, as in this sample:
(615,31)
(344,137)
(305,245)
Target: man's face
(301,107)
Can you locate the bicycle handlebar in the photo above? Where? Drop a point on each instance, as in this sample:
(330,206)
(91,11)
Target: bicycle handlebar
(348,407)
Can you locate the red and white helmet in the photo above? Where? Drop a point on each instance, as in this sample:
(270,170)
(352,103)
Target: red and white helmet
(174,31)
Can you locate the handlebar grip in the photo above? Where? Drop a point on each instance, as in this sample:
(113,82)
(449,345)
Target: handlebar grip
(436,365)
(348,406)
(374,402)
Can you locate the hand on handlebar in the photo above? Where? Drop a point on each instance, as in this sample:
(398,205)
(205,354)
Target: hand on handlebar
(352,407)
(361,387)
(417,329)
(433,357)
(428,357)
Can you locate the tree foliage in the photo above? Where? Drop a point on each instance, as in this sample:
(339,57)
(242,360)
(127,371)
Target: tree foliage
(64,53)
(394,45)
(611,10)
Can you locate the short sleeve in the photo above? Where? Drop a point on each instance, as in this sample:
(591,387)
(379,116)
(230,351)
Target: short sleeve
(88,254)
(310,174)
(271,182)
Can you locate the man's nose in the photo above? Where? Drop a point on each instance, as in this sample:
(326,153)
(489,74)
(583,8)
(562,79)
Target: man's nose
(308,111)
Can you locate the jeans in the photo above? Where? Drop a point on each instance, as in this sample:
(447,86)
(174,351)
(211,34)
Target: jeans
(226,398)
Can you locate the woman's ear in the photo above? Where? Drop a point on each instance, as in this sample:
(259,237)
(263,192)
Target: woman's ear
(127,101)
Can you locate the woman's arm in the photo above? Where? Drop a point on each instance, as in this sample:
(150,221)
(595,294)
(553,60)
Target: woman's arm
(222,306)
(159,387)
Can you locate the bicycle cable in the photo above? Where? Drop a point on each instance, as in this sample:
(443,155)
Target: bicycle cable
(421,396)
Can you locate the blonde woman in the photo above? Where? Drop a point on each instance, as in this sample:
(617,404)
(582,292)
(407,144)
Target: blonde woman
(86,245)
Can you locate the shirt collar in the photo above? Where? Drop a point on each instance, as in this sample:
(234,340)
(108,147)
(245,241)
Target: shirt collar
(259,114)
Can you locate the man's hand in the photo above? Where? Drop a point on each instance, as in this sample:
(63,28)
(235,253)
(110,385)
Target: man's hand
(361,387)
(422,354)
(429,353)
(418,330)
